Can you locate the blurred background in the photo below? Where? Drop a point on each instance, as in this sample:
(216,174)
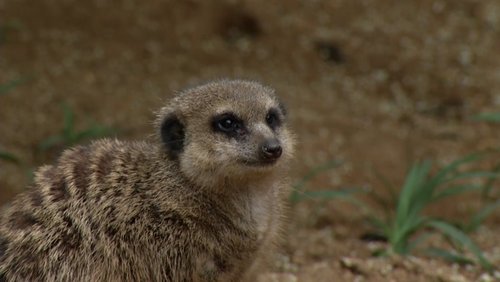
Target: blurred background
(372,88)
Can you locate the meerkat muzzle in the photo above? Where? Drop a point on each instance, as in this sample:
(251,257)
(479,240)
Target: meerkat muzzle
(270,150)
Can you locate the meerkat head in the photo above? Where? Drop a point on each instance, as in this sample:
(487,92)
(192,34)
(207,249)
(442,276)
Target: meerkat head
(229,130)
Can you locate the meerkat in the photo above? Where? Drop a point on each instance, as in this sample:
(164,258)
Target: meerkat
(203,201)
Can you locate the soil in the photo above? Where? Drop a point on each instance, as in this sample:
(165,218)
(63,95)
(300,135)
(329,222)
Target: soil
(373,84)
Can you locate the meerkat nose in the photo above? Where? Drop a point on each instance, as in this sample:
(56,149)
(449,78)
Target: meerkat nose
(271,149)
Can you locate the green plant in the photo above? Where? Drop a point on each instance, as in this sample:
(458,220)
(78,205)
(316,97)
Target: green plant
(405,226)
(8,86)
(298,189)
(9,157)
(488,188)
(478,218)
(488,117)
(492,117)
(299,192)
(70,136)
(409,227)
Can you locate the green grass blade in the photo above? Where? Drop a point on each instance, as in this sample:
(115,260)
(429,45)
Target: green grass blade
(6,156)
(381,225)
(457,235)
(387,205)
(448,256)
(488,117)
(380,252)
(474,174)
(455,190)
(412,187)
(489,184)
(51,142)
(417,241)
(390,186)
(401,234)
(344,193)
(69,136)
(317,170)
(407,192)
(299,187)
(480,216)
(450,169)
(8,86)
(95,131)
(69,122)
(332,194)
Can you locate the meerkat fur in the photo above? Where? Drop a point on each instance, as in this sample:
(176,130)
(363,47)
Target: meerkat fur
(204,201)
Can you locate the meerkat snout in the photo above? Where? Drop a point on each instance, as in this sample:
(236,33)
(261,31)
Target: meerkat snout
(271,150)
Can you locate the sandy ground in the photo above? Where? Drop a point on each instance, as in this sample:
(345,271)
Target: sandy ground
(375,84)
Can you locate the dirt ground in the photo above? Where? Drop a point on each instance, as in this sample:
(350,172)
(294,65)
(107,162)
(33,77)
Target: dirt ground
(375,84)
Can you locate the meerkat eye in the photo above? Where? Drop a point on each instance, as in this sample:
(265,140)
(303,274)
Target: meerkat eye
(273,119)
(227,123)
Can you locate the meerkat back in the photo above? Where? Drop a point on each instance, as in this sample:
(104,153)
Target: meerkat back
(202,202)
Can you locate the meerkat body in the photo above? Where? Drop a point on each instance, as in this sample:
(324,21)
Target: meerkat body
(204,203)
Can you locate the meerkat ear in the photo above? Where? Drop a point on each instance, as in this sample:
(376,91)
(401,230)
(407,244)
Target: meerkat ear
(172,135)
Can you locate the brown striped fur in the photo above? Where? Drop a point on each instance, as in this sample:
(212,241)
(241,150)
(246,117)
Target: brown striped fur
(132,211)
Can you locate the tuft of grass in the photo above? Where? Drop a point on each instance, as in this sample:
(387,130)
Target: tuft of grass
(405,226)
(9,157)
(8,86)
(70,136)
(478,218)
(488,188)
(423,188)
(492,117)
(299,192)
(488,117)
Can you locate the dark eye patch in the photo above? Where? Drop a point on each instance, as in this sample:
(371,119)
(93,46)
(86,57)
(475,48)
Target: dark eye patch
(273,118)
(228,124)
